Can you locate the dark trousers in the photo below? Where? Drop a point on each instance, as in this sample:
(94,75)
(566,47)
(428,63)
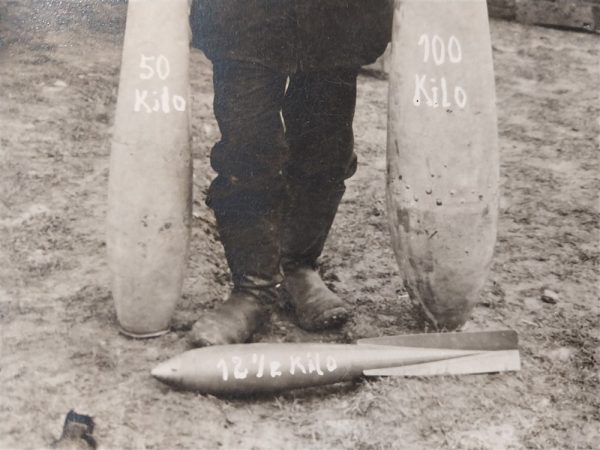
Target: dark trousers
(281,163)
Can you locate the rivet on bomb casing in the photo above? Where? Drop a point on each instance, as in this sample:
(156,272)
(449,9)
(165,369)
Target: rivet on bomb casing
(438,202)
(429,191)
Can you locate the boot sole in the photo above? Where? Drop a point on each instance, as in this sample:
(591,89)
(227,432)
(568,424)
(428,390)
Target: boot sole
(333,318)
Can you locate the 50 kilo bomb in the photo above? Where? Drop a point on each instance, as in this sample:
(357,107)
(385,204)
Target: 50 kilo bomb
(150,181)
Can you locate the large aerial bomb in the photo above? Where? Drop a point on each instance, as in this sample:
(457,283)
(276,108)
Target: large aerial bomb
(244,369)
(442,150)
(149,192)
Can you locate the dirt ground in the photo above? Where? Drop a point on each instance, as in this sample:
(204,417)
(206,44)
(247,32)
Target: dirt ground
(59,66)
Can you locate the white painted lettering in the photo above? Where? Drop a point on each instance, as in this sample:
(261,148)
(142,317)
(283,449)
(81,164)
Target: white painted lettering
(445,102)
(460,96)
(420,91)
(238,373)
(178,103)
(295,363)
(155,101)
(314,365)
(438,49)
(156,106)
(158,102)
(424,41)
(261,366)
(331,363)
(434,96)
(318,364)
(140,101)
(223,366)
(260,360)
(166,108)
(275,372)
(454,50)
(145,66)
(152,65)
(163,67)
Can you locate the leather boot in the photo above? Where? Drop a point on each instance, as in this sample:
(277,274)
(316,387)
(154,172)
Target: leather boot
(234,322)
(307,221)
(251,239)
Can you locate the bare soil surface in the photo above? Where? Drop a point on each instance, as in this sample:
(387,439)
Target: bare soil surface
(60,349)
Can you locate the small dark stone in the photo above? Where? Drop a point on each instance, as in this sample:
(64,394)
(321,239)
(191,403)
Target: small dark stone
(549,296)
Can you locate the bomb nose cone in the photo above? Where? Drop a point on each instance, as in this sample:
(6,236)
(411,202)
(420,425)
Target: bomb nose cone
(167,372)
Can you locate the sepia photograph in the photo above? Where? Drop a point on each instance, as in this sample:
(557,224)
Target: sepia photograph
(300,224)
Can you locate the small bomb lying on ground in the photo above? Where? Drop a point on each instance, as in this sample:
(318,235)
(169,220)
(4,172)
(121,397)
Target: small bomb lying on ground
(244,369)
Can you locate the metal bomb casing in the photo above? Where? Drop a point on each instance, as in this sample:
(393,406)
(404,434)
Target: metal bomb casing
(149,192)
(243,369)
(442,150)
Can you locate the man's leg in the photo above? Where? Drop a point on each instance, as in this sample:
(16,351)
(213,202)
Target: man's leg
(318,113)
(246,196)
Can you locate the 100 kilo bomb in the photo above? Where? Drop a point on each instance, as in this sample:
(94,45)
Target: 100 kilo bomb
(149,198)
(442,169)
